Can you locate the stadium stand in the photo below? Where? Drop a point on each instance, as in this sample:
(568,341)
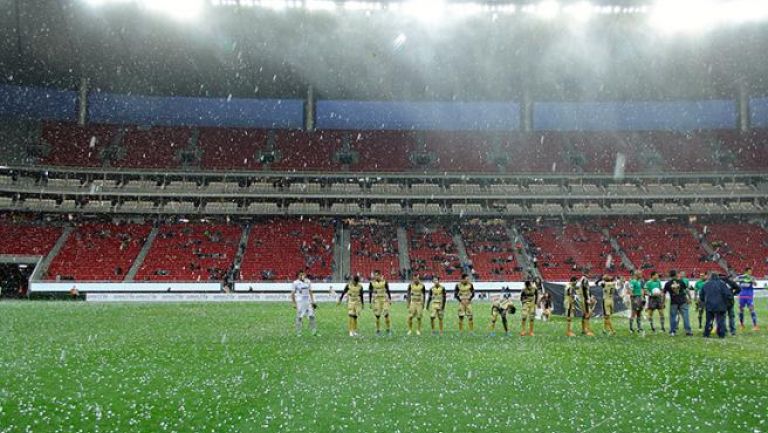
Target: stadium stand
(571,249)
(72,145)
(191,252)
(99,252)
(26,238)
(490,251)
(393,151)
(155,147)
(374,247)
(235,148)
(741,245)
(661,246)
(432,252)
(279,248)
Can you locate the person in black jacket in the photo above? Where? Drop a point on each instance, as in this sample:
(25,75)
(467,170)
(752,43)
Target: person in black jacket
(714,295)
(730,311)
(679,300)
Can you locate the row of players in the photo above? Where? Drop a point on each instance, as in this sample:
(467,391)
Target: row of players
(641,295)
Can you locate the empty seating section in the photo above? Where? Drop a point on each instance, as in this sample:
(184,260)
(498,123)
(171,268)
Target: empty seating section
(191,252)
(661,246)
(231,148)
(573,249)
(73,145)
(309,151)
(392,151)
(491,251)
(155,147)
(741,245)
(382,151)
(27,239)
(99,252)
(433,253)
(278,249)
(374,247)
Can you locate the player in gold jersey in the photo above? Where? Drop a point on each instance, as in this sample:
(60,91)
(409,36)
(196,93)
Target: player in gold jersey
(529,297)
(464,293)
(355,303)
(380,300)
(609,290)
(569,305)
(436,304)
(501,306)
(416,295)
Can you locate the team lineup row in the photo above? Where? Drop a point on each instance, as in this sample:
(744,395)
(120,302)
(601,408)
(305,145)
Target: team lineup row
(711,294)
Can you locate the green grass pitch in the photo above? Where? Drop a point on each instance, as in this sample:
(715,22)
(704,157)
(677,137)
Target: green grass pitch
(81,367)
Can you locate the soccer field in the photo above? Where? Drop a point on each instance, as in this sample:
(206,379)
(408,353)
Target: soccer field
(68,367)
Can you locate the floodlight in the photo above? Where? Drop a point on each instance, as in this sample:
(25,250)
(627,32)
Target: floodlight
(182,10)
(426,10)
(581,11)
(547,9)
(320,5)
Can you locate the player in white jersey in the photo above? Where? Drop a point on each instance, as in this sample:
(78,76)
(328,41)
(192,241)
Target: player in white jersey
(304,302)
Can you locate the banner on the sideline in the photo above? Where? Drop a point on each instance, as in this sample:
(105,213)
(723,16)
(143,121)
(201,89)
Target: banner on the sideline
(91,287)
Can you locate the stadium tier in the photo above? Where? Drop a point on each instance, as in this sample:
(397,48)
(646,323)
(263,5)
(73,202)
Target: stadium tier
(191,252)
(740,245)
(26,238)
(277,249)
(374,247)
(99,252)
(432,252)
(566,250)
(661,246)
(395,151)
(490,251)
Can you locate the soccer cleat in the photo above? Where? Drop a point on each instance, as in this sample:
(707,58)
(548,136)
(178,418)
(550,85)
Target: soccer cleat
(492,334)
(389,333)
(689,334)
(570,334)
(755,328)
(378,333)
(409,332)
(351,334)
(530,334)
(434,332)
(418,332)
(741,327)
(523,333)
(672,334)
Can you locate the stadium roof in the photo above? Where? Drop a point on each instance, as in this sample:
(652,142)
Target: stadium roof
(360,51)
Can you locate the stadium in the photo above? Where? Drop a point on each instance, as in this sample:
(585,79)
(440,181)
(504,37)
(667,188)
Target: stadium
(337,215)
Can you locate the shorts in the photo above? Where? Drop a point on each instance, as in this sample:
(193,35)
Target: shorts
(528,311)
(304,310)
(415,309)
(607,307)
(655,303)
(381,307)
(465,310)
(638,303)
(437,312)
(746,302)
(354,308)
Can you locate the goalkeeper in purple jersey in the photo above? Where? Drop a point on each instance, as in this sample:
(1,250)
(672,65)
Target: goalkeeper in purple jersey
(747,297)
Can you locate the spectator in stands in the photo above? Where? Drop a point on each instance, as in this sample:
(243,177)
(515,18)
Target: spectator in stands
(714,295)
